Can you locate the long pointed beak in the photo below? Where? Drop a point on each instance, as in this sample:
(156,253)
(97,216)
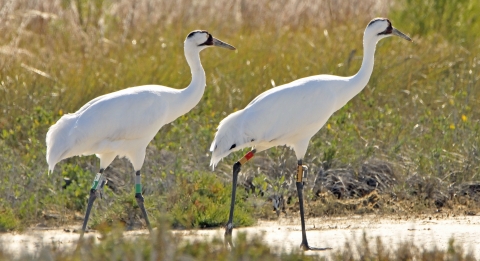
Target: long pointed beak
(219,43)
(398,33)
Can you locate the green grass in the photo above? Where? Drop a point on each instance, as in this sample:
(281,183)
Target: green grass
(8,220)
(420,110)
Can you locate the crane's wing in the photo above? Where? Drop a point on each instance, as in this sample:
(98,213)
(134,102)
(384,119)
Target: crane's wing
(130,114)
(289,110)
(284,114)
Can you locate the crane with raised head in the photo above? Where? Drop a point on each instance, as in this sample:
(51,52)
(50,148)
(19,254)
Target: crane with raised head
(291,114)
(122,123)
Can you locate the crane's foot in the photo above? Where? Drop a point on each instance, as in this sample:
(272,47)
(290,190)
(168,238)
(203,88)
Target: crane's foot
(305,247)
(228,235)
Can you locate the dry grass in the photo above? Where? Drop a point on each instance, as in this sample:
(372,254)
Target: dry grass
(419,112)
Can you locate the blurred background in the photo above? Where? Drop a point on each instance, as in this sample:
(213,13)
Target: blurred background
(409,142)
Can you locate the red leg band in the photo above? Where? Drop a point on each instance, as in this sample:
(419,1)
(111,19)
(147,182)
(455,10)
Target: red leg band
(247,157)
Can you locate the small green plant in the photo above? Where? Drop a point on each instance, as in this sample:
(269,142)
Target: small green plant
(8,220)
(204,202)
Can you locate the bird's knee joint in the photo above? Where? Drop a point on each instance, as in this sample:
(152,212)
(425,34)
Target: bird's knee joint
(237,166)
(139,196)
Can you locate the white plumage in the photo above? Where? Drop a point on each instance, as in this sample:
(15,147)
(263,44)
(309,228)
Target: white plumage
(124,122)
(292,113)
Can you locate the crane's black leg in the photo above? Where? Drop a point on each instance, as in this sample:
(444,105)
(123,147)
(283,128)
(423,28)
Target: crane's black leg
(236,169)
(229,226)
(99,180)
(140,200)
(304,245)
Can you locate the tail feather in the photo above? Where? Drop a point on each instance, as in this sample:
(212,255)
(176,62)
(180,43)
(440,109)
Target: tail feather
(230,137)
(58,142)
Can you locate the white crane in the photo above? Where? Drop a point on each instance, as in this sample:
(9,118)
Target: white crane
(291,114)
(122,123)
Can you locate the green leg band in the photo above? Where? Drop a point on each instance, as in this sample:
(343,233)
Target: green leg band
(96,181)
(138,186)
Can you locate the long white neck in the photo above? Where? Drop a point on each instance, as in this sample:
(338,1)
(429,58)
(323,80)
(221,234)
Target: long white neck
(363,75)
(190,96)
(357,82)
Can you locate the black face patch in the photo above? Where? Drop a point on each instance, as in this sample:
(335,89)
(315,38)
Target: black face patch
(388,30)
(209,41)
(233,146)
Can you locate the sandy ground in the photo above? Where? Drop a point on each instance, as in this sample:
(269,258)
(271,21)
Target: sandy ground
(425,231)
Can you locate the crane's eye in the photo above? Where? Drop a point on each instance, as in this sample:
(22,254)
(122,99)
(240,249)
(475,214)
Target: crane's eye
(387,31)
(209,41)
